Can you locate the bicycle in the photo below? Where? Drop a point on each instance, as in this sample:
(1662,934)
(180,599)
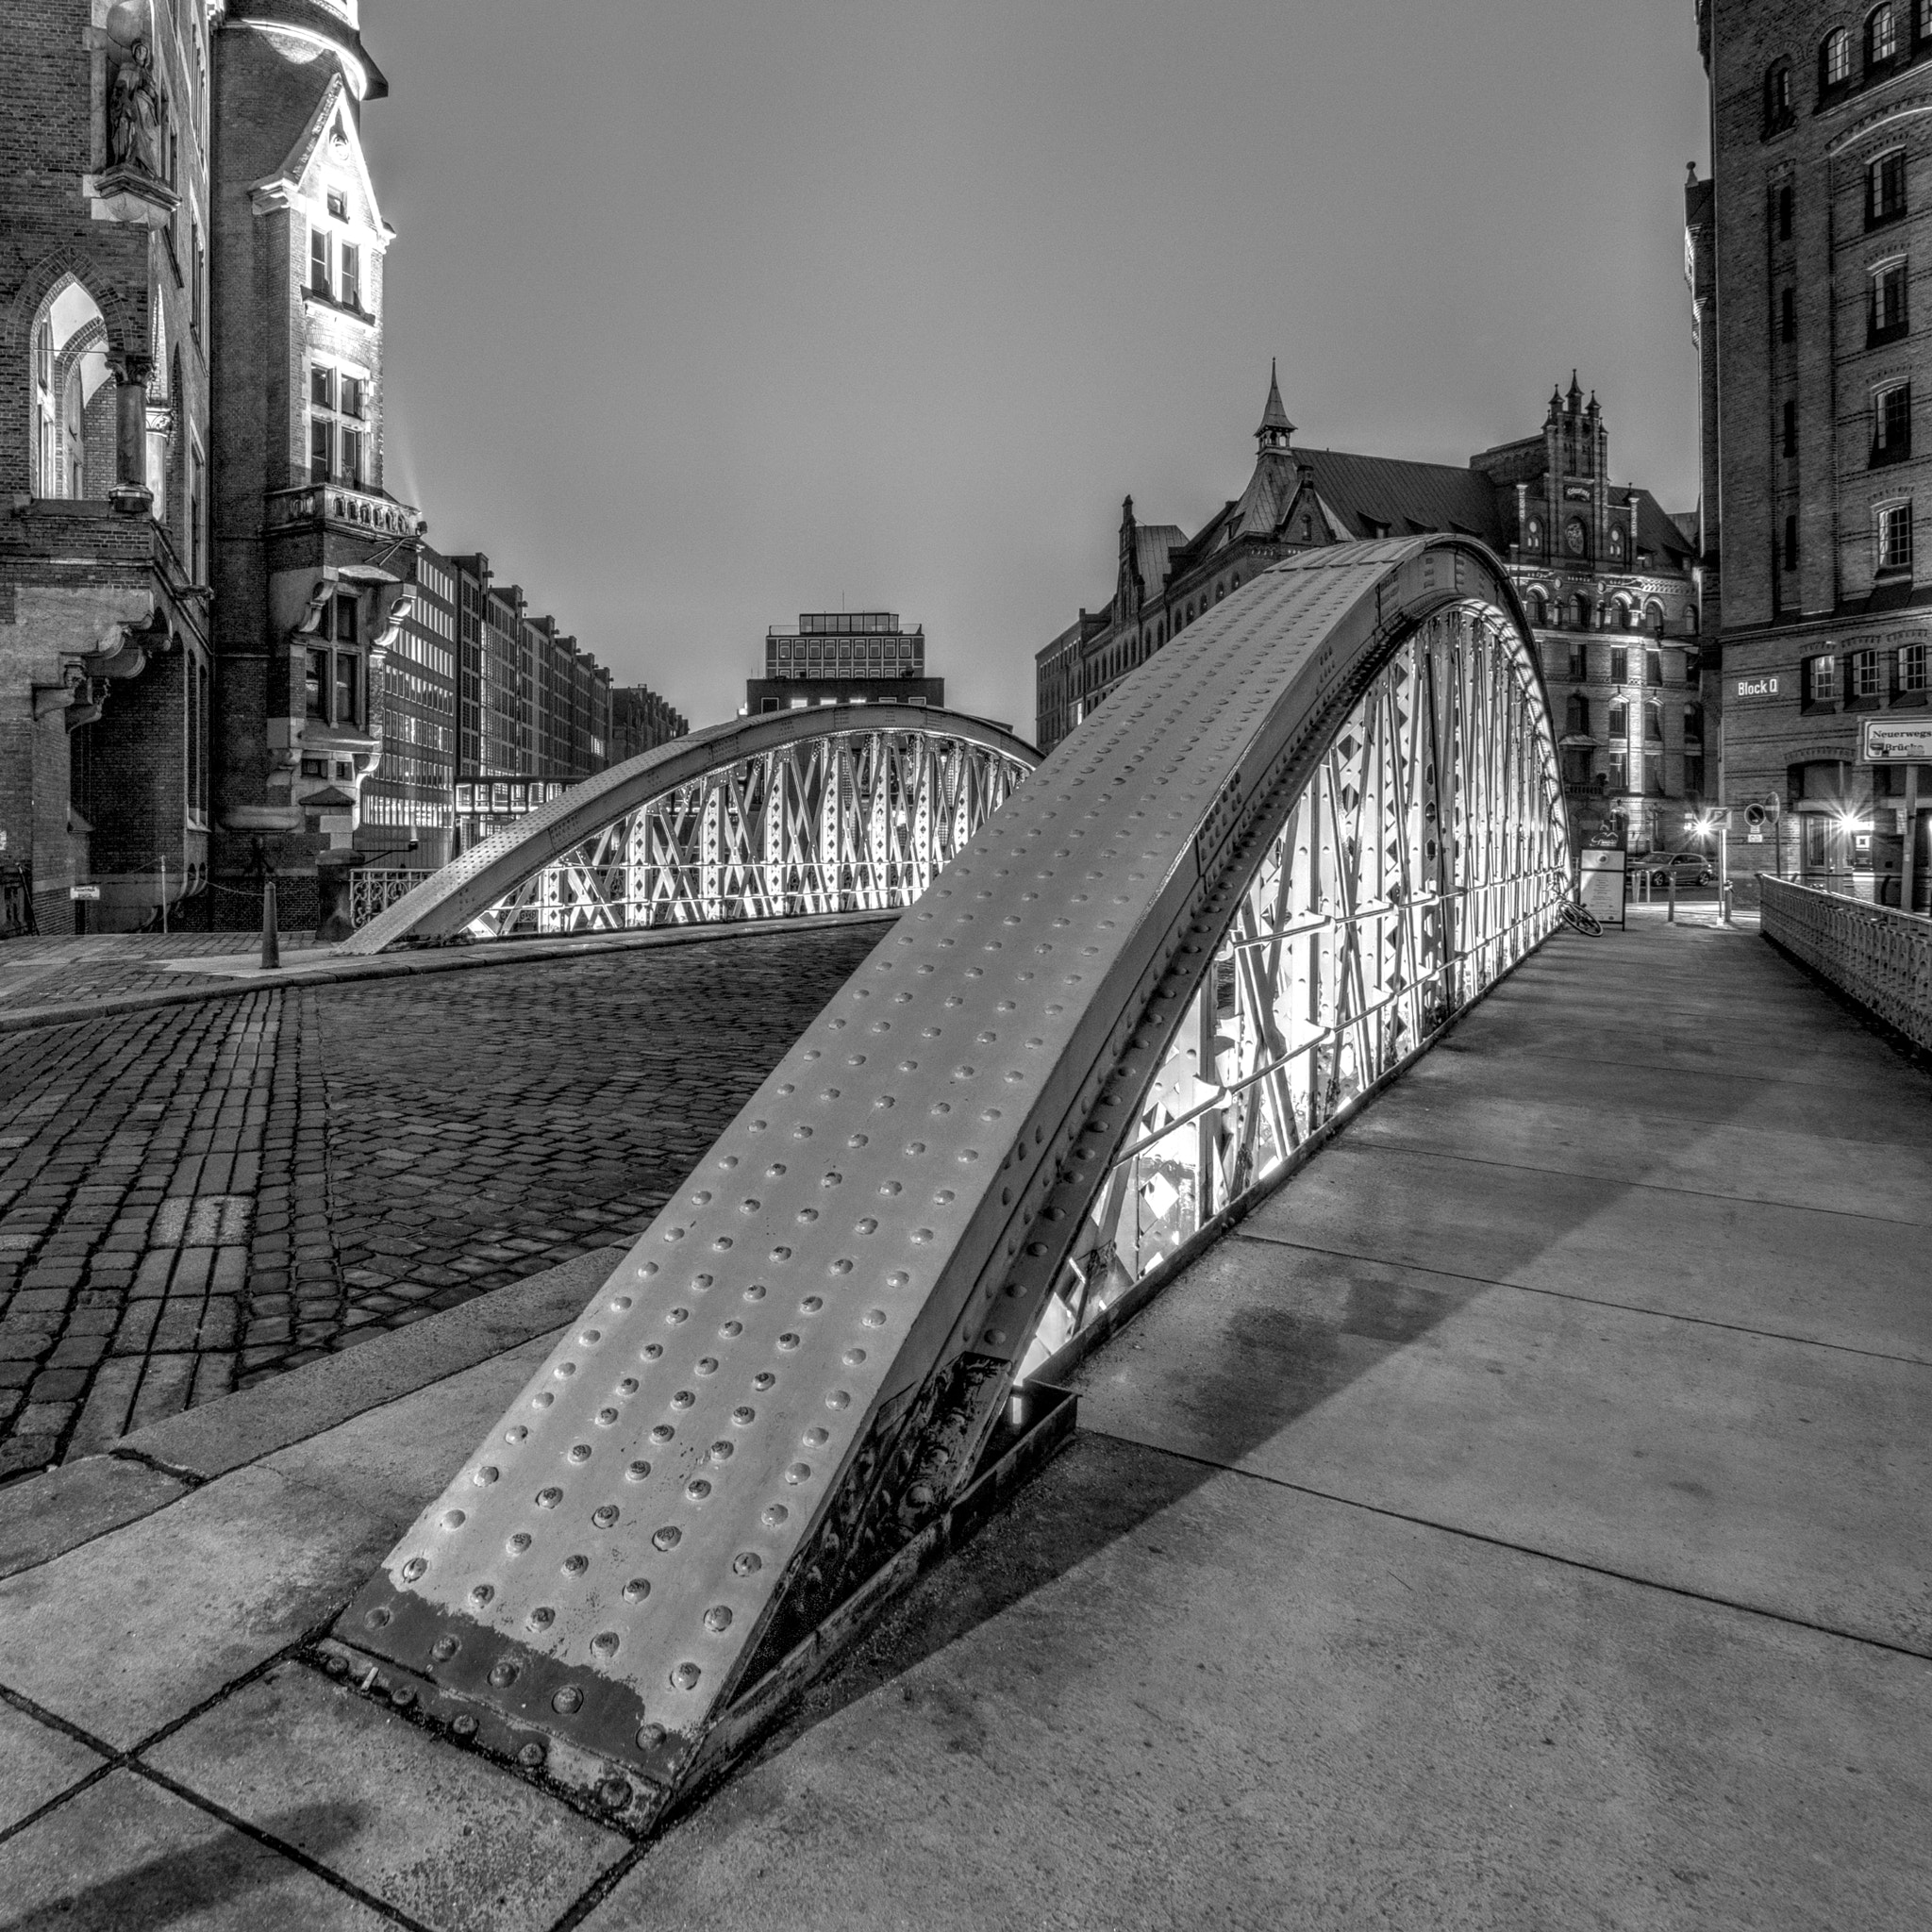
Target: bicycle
(1579,919)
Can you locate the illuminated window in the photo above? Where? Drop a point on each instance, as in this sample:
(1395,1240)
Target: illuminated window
(1835,58)
(1885,189)
(1881,36)
(1895,536)
(1821,680)
(1887,316)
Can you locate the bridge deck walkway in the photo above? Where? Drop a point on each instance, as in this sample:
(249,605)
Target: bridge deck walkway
(1520,1520)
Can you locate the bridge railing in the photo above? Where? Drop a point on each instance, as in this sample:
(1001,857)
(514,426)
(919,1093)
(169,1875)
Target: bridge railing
(375,888)
(1881,957)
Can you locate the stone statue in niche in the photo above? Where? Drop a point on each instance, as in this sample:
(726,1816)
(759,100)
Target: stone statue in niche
(134,121)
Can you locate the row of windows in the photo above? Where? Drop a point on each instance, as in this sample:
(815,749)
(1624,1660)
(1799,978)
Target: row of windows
(1648,666)
(1883,38)
(1902,673)
(880,657)
(507,795)
(1891,425)
(429,814)
(1575,537)
(412,644)
(1624,722)
(1892,537)
(1581,611)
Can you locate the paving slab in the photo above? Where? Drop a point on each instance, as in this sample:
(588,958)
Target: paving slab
(42,1515)
(1740,1467)
(1819,1276)
(125,1855)
(436,1833)
(218,1435)
(1865,1105)
(1158,1695)
(1885,1180)
(133,1631)
(36,1764)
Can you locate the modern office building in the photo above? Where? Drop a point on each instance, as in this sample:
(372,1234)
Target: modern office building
(1607,580)
(1808,252)
(844,658)
(105,669)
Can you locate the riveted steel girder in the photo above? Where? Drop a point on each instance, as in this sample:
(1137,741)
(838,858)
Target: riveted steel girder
(835,809)
(1284,852)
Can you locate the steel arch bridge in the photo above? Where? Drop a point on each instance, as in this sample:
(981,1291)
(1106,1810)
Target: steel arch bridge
(1235,900)
(822,810)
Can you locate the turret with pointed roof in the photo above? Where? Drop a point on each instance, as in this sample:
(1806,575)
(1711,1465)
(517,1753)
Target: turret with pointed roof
(1276,431)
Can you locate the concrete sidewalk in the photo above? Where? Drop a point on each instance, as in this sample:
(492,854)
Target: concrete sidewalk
(1522,1521)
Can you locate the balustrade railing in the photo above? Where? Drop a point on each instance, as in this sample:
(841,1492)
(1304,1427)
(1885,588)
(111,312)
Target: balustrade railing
(342,503)
(376,888)
(1881,957)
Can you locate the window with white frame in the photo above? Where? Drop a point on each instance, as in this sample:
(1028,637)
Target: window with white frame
(1821,680)
(337,425)
(1887,316)
(1836,58)
(1861,676)
(1894,536)
(1881,35)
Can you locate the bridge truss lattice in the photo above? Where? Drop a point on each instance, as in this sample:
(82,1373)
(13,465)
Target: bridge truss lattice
(827,810)
(1279,859)
(854,820)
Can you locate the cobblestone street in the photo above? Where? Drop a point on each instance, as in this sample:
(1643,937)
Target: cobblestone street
(194,1198)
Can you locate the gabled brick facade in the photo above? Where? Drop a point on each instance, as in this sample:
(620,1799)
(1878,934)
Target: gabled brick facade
(103,659)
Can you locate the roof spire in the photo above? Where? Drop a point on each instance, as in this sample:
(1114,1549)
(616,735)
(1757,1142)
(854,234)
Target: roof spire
(1575,398)
(1276,430)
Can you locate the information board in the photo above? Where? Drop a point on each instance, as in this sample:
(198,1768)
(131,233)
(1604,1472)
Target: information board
(1601,884)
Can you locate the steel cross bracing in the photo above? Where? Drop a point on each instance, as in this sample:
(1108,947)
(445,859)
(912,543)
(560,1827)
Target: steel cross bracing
(825,811)
(853,821)
(1422,858)
(1289,845)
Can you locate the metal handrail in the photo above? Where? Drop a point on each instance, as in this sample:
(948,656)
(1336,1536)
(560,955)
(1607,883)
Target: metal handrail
(1881,957)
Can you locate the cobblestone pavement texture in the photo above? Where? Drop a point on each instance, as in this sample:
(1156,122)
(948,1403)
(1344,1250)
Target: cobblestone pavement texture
(43,971)
(198,1197)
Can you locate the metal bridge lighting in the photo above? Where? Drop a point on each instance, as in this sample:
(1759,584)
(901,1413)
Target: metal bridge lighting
(1149,982)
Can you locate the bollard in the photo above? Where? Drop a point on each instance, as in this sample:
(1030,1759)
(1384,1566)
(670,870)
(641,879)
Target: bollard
(270,940)
(1671,885)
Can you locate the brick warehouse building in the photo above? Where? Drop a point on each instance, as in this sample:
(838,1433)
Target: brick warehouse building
(1810,251)
(1607,576)
(312,560)
(103,442)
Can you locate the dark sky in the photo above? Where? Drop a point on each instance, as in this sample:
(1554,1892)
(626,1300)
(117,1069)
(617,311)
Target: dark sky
(703,315)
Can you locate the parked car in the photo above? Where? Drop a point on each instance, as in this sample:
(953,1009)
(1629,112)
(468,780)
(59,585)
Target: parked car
(1689,867)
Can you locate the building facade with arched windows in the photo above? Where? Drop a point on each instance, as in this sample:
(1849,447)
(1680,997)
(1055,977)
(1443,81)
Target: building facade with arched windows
(1608,578)
(104,426)
(1808,252)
